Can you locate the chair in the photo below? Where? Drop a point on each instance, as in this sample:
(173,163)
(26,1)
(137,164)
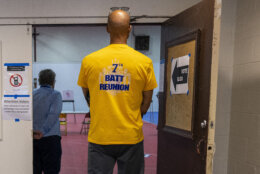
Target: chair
(63,121)
(85,124)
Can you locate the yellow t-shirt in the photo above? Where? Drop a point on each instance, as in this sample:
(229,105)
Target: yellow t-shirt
(116,76)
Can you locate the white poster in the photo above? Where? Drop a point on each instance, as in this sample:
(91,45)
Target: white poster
(67,95)
(179,75)
(16,101)
(161,82)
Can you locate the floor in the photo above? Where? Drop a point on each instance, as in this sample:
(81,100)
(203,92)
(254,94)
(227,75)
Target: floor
(75,145)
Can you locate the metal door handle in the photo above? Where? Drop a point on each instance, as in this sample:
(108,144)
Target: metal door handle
(203,124)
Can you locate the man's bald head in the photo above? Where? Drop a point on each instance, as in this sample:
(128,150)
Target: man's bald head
(118,23)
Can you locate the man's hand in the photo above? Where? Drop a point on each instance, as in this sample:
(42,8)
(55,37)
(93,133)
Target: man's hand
(37,135)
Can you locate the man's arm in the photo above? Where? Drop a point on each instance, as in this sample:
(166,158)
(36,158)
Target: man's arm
(86,95)
(147,98)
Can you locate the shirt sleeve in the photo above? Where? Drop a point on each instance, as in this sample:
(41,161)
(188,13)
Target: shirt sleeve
(53,114)
(82,80)
(150,78)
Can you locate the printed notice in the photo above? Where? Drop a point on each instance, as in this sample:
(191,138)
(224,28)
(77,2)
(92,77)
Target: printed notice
(18,108)
(15,78)
(179,75)
(16,101)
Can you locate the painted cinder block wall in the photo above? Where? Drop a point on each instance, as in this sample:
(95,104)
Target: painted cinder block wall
(225,74)
(244,139)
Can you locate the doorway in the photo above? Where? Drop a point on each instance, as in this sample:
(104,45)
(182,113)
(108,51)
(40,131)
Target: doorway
(61,48)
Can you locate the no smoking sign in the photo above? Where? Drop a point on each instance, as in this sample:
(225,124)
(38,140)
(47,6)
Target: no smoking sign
(17,99)
(16,80)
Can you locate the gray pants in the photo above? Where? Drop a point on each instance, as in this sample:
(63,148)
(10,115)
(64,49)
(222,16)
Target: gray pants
(129,158)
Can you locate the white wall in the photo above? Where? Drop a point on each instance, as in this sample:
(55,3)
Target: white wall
(244,143)
(69,44)
(66,79)
(63,48)
(16,142)
(226,56)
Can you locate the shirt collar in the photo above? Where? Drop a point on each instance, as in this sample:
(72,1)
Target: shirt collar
(45,86)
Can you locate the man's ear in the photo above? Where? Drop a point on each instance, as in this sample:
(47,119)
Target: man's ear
(130,28)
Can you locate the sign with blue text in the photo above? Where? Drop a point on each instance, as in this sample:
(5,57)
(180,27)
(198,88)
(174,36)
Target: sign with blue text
(16,100)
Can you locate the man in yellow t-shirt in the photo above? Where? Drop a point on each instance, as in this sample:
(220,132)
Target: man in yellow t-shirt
(120,82)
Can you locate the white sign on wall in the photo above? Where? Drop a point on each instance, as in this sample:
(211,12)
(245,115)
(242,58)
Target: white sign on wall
(179,75)
(67,95)
(16,100)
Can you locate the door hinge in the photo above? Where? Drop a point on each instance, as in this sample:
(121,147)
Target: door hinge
(212,124)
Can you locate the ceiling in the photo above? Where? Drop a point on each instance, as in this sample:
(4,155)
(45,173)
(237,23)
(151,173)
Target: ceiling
(87,11)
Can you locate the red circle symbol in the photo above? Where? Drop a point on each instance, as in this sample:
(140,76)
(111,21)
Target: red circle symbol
(16,80)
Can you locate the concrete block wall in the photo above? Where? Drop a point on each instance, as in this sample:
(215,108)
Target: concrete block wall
(244,139)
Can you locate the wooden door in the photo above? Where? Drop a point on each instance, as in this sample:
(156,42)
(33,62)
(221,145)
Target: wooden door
(183,118)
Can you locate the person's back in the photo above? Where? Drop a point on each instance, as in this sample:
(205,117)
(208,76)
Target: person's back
(47,106)
(120,82)
(43,98)
(116,96)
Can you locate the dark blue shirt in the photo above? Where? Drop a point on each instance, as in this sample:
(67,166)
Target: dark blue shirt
(47,106)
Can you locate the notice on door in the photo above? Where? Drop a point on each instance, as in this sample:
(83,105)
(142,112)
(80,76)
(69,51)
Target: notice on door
(179,75)
(16,100)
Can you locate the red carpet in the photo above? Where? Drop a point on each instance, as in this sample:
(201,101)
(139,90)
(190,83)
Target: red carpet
(75,145)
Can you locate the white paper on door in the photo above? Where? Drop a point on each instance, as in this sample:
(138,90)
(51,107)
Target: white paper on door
(16,100)
(179,75)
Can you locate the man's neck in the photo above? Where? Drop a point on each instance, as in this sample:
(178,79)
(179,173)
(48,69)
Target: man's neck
(118,40)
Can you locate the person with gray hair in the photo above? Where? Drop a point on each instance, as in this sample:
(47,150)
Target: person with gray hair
(47,106)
